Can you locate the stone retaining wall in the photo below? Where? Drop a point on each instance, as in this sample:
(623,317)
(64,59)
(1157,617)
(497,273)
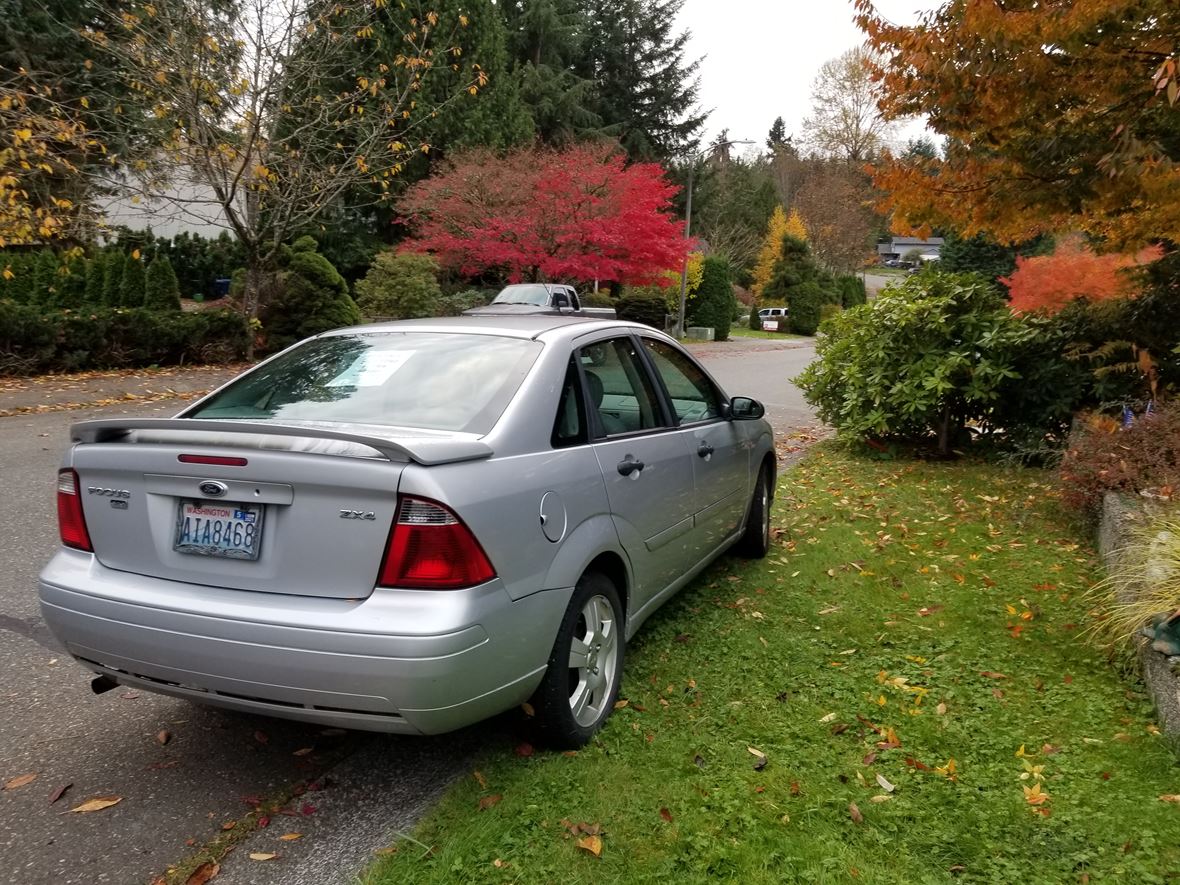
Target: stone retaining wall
(1121,516)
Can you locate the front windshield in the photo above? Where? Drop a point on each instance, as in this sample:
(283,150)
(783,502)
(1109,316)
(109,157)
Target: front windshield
(428,380)
(526,293)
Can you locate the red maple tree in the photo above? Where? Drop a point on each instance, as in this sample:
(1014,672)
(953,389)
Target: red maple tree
(538,214)
(1074,270)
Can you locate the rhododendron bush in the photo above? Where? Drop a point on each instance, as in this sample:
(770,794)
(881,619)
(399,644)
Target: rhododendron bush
(575,214)
(1073,271)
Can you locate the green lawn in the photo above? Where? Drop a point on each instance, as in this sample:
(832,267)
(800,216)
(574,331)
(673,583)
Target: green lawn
(908,661)
(744,331)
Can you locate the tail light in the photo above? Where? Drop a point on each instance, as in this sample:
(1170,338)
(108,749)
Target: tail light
(70,520)
(431,549)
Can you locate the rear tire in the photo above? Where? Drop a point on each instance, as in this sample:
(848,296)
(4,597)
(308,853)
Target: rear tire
(755,542)
(581,683)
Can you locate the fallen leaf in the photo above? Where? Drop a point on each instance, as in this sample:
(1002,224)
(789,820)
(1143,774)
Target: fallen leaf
(854,813)
(1170,797)
(940,709)
(163,736)
(261,737)
(754,751)
(58,793)
(619,705)
(885,785)
(1034,795)
(18,782)
(488,801)
(1049,749)
(480,779)
(883,797)
(991,674)
(916,764)
(130,695)
(927,611)
(307,810)
(304,751)
(97,804)
(666,814)
(262,855)
(528,709)
(795,788)
(524,749)
(828,718)
(290,837)
(228,825)
(203,873)
(869,758)
(591,845)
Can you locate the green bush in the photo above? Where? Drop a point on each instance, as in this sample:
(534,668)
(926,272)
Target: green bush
(713,305)
(827,311)
(805,307)
(755,319)
(134,283)
(454,305)
(600,298)
(400,286)
(34,340)
(162,290)
(851,289)
(647,309)
(112,280)
(925,357)
(311,298)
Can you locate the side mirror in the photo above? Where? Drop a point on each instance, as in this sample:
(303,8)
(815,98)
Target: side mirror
(561,301)
(743,408)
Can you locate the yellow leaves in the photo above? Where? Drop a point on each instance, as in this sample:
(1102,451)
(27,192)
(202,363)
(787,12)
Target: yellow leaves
(17,782)
(262,855)
(948,771)
(7,272)
(1035,795)
(364,33)
(591,845)
(97,804)
(463,21)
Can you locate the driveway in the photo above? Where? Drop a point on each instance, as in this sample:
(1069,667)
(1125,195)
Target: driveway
(184,773)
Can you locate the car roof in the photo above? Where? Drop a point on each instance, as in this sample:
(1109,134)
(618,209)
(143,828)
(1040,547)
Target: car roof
(531,326)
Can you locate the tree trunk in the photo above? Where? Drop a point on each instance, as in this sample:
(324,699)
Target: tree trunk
(252,299)
(944,432)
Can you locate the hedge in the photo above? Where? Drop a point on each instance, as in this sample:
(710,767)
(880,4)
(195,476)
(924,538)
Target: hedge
(34,341)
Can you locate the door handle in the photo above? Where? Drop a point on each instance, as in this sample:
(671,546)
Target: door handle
(629,465)
(704,450)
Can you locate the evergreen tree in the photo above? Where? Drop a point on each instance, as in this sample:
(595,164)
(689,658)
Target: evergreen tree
(312,297)
(112,280)
(713,305)
(134,284)
(161,288)
(95,271)
(43,291)
(545,40)
(772,247)
(645,88)
(777,137)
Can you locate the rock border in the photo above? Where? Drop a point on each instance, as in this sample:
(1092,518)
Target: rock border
(1121,514)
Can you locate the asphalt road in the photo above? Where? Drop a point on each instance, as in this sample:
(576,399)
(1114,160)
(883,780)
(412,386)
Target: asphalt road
(178,789)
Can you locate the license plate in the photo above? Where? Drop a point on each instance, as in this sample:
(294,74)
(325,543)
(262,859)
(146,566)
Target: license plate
(213,528)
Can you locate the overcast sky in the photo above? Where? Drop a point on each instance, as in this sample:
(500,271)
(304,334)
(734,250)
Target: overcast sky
(760,56)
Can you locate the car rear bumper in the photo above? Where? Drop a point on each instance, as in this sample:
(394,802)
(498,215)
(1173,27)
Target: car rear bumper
(405,661)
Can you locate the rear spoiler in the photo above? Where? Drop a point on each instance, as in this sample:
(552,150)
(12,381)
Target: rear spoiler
(423,450)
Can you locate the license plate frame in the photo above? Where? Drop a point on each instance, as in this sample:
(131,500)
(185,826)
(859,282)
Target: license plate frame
(218,513)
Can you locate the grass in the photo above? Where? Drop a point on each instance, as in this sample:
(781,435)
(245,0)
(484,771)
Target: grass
(744,331)
(915,626)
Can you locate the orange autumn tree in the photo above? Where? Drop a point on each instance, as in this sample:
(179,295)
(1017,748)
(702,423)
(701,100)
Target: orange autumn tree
(1059,114)
(1074,270)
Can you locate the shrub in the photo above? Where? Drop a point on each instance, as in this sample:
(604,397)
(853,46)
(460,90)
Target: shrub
(305,243)
(755,320)
(162,291)
(1102,457)
(925,357)
(454,305)
(112,279)
(805,307)
(852,290)
(95,272)
(134,283)
(647,309)
(713,306)
(827,311)
(27,339)
(311,298)
(401,286)
(599,299)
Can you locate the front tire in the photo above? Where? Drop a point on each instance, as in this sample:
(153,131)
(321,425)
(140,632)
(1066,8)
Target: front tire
(755,542)
(581,682)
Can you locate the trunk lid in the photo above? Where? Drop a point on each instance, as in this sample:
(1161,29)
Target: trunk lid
(308,512)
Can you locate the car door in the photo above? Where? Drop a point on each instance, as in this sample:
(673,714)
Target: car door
(718,448)
(647,469)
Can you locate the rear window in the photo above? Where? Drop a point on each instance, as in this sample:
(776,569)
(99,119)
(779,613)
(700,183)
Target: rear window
(433,381)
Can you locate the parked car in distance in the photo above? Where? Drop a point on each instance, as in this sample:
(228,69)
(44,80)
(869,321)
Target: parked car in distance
(773,313)
(532,298)
(408,527)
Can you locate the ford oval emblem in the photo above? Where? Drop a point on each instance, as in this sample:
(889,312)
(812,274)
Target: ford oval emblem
(212,489)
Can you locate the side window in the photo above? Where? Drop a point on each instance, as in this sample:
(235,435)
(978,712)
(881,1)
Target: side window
(570,427)
(694,398)
(619,388)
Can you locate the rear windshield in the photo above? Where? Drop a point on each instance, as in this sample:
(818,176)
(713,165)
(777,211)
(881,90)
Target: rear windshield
(433,381)
(524,294)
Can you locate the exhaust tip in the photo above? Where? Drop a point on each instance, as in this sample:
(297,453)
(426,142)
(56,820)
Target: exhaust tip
(101,684)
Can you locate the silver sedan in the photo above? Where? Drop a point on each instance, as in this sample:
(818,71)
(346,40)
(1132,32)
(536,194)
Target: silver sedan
(408,527)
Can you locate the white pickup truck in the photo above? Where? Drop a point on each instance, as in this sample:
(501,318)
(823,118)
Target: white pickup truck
(531,298)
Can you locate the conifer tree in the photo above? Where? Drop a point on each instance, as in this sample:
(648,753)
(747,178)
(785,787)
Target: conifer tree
(112,278)
(161,289)
(133,284)
(772,247)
